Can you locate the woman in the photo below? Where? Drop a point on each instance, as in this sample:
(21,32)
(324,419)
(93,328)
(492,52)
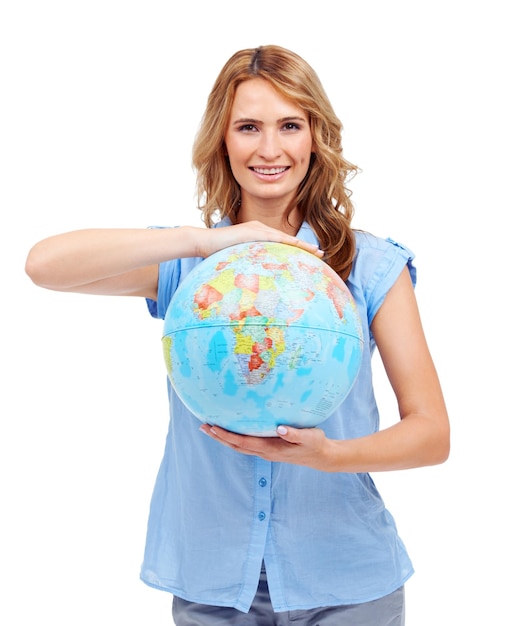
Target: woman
(251,530)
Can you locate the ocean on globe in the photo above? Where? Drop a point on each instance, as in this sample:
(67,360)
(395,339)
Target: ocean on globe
(261,334)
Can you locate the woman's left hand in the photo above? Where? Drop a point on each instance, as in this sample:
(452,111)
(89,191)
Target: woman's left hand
(300,446)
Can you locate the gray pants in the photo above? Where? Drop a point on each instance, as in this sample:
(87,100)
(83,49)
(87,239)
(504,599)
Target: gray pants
(387,611)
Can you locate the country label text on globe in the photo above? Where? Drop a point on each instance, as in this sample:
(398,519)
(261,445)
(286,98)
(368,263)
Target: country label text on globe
(262,334)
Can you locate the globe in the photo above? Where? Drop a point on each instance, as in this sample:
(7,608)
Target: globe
(261,334)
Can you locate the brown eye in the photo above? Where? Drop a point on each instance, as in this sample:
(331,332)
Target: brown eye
(291,126)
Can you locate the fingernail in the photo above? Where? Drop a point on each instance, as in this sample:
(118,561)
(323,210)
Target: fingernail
(282,430)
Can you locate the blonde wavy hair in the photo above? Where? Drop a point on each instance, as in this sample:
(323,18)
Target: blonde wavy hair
(323,198)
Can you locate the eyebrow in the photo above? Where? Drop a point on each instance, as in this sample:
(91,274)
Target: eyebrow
(250,120)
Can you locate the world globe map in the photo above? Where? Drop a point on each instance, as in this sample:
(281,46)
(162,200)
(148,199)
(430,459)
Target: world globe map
(262,334)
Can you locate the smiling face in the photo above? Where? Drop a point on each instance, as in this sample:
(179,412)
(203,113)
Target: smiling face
(269,144)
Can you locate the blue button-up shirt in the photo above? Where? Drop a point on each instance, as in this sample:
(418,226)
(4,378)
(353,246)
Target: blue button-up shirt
(326,538)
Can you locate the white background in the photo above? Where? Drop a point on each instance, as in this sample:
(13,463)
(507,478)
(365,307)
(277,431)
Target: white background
(100,101)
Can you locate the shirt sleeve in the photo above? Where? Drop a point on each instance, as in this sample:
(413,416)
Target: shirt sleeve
(379,263)
(168,280)
(170,275)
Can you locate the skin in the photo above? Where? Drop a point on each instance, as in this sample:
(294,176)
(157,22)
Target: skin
(268,142)
(264,132)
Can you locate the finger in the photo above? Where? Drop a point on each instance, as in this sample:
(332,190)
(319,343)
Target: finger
(235,440)
(309,247)
(279,236)
(289,434)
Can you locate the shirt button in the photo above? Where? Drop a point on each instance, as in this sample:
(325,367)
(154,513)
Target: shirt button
(262,482)
(261,516)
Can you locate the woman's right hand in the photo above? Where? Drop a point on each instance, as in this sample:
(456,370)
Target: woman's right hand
(213,239)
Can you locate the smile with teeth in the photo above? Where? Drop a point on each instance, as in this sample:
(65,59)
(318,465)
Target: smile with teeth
(269,171)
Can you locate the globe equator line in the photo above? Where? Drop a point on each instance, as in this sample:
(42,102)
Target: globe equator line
(274,324)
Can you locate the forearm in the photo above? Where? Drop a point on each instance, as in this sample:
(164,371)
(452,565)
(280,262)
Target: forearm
(94,258)
(415,441)
(86,256)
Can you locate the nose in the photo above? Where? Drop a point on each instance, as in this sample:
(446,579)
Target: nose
(269,147)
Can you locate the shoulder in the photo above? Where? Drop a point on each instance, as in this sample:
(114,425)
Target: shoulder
(372,244)
(377,264)
(377,254)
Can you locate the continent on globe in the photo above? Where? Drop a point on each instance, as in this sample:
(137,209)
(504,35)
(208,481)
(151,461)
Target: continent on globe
(262,334)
